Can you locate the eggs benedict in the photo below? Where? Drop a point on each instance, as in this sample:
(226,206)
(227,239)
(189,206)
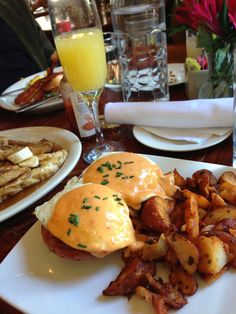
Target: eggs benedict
(85,221)
(134,176)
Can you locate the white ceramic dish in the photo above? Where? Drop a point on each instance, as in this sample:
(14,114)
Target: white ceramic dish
(154,141)
(36,281)
(65,139)
(179,71)
(7,102)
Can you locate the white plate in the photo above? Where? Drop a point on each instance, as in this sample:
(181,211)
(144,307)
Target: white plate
(7,102)
(179,70)
(154,141)
(65,139)
(36,281)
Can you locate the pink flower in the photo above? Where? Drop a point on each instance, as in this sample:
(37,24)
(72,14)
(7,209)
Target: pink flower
(193,13)
(186,14)
(232,11)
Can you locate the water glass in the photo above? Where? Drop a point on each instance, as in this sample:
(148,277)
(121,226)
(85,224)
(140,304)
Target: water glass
(141,27)
(144,72)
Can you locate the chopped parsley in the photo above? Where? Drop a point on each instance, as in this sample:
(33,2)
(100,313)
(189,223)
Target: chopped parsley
(74,219)
(83,246)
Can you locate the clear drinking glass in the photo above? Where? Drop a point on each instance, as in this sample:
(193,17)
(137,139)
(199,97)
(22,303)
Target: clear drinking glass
(79,42)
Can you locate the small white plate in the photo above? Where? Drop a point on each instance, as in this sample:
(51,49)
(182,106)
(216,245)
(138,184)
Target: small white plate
(179,70)
(65,139)
(37,281)
(8,102)
(157,142)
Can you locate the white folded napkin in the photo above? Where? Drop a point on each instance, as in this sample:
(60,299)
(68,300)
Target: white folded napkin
(197,135)
(197,113)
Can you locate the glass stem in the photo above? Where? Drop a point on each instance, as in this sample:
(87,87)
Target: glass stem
(99,133)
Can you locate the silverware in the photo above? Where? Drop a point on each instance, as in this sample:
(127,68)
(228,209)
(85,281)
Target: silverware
(12,92)
(31,106)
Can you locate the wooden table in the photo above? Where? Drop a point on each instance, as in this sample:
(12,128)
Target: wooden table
(12,230)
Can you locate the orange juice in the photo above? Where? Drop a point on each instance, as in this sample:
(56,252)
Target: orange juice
(82,55)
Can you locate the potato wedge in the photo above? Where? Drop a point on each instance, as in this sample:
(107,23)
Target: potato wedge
(228,176)
(155,214)
(213,254)
(219,214)
(228,192)
(154,251)
(201,200)
(191,217)
(185,250)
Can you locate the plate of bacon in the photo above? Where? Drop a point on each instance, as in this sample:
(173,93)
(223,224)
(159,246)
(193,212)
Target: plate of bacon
(41,86)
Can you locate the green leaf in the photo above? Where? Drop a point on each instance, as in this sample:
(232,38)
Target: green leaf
(223,17)
(204,39)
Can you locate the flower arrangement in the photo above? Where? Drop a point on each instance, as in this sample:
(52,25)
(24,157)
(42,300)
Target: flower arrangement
(214,22)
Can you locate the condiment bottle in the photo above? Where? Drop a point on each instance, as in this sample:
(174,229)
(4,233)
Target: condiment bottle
(78,114)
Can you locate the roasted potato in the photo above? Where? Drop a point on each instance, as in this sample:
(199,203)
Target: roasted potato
(185,250)
(191,217)
(219,214)
(213,254)
(155,214)
(201,200)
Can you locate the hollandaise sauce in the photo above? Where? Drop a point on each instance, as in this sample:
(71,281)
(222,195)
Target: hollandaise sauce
(135,177)
(92,218)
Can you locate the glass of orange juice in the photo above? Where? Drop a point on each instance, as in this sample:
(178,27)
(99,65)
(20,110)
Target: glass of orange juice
(79,43)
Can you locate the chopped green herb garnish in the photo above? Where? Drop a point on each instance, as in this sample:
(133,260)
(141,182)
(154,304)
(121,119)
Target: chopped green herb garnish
(82,246)
(97,208)
(86,206)
(69,231)
(74,219)
(105,175)
(104,182)
(121,204)
(119,162)
(105,198)
(85,200)
(128,162)
(119,174)
(130,177)
(98,197)
(100,169)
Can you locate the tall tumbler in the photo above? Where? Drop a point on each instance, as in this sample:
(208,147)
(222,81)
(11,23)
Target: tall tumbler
(141,30)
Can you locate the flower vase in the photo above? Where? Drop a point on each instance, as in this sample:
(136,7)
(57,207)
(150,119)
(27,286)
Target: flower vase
(220,78)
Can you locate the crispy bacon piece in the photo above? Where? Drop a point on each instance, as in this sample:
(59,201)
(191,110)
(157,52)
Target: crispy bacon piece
(28,96)
(36,91)
(187,283)
(172,296)
(130,277)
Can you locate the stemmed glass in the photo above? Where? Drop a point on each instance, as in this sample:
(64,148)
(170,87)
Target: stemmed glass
(79,42)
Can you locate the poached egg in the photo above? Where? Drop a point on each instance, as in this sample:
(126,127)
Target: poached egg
(89,217)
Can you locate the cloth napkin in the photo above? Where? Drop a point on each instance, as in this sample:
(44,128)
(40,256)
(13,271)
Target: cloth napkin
(198,113)
(197,135)
(191,120)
